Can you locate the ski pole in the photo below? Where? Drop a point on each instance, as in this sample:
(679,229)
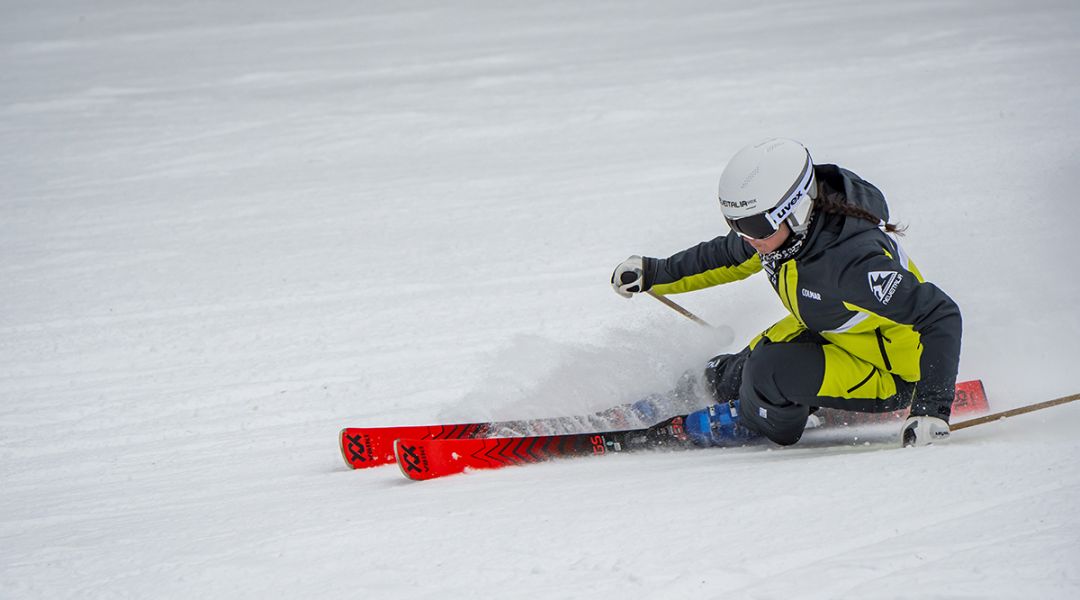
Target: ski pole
(679,309)
(1013,412)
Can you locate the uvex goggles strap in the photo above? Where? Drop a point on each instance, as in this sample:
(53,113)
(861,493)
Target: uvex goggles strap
(763,225)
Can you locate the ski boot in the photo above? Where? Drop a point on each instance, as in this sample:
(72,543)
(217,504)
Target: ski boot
(718,425)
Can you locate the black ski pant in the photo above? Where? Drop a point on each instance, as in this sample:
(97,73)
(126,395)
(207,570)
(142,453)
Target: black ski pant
(778,385)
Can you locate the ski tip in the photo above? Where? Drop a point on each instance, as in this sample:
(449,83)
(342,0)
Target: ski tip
(970,398)
(342,441)
(421,460)
(405,455)
(365,448)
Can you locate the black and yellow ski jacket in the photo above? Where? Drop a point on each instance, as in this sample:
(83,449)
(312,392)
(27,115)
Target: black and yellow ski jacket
(853,285)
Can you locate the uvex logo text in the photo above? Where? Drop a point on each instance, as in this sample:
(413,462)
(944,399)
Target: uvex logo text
(777,216)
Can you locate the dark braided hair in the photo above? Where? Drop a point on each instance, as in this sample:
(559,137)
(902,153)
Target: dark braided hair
(831,201)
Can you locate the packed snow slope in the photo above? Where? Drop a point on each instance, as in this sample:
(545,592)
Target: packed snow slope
(229,229)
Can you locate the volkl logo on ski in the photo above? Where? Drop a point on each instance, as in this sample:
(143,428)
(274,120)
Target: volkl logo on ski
(357,449)
(412,461)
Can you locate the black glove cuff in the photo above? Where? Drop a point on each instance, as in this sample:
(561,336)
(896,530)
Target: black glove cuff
(651,266)
(937,403)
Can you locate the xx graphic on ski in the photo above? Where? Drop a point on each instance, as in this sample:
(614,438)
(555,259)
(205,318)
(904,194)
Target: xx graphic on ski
(430,458)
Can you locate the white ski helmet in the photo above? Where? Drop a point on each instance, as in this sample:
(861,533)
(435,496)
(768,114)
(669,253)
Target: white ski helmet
(768,183)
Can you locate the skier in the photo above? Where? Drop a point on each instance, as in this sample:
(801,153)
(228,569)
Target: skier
(865,331)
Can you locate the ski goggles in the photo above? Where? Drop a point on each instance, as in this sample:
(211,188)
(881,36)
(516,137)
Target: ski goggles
(756,227)
(764,225)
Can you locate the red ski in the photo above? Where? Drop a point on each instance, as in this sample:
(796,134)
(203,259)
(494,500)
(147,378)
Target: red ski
(970,398)
(423,459)
(427,459)
(365,447)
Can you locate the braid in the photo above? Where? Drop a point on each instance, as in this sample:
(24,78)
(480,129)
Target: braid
(830,201)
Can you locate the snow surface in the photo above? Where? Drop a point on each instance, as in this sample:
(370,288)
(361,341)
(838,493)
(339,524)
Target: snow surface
(230,229)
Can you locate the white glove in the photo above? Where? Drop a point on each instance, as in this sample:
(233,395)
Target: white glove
(923,431)
(629,277)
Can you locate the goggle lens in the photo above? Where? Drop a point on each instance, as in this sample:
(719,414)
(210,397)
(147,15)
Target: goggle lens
(756,226)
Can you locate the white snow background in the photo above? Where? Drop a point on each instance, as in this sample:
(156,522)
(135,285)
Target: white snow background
(229,229)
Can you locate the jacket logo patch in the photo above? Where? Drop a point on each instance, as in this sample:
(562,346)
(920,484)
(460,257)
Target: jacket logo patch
(811,295)
(884,284)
